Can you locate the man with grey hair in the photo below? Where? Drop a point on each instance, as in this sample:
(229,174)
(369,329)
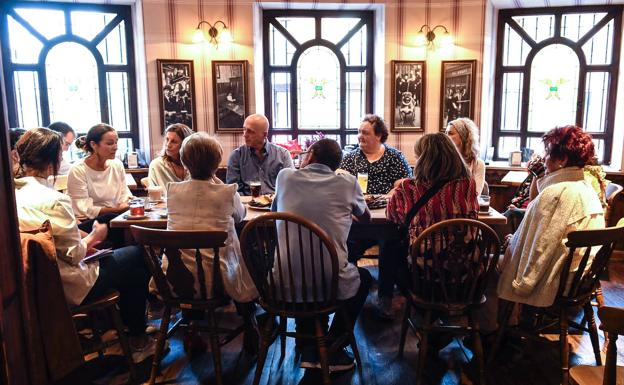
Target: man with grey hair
(258,159)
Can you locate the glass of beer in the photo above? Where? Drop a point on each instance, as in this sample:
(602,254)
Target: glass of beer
(137,208)
(362,178)
(484,204)
(255,187)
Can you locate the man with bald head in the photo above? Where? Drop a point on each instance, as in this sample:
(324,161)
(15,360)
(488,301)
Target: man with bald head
(258,159)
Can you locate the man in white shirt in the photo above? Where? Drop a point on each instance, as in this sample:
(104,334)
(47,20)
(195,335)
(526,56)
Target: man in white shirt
(336,199)
(67,137)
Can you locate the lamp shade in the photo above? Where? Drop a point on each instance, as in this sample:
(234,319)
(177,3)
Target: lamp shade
(225,36)
(198,36)
(421,39)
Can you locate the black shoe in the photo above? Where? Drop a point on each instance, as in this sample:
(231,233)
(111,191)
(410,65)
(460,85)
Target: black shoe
(341,361)
(309,358)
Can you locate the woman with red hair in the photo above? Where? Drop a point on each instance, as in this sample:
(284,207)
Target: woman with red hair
(565,203)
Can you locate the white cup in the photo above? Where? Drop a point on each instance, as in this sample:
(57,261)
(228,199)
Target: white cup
(155,193)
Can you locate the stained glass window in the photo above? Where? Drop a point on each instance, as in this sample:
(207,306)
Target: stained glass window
(556,68)
(70,62)
(318,66)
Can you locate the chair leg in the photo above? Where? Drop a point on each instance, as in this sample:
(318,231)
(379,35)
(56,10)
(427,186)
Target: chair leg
(593,332)
(564,348)
(160,345)
(507,309)
(404,325)
(214,346)
(424,346)
(282,333)
(322,350)
(265,337)
(476,335)
(352,341)
(113,311)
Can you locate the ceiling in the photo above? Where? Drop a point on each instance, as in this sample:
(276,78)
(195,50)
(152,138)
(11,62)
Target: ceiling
(500,4)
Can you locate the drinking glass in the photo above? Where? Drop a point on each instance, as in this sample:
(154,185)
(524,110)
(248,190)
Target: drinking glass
(484,204)
(362,179)
(255,187)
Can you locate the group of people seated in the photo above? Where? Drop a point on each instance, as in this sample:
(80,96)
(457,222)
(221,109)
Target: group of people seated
(447,163)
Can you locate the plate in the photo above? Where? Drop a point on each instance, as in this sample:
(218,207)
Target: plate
(134,217)
(261,208)
(163,215)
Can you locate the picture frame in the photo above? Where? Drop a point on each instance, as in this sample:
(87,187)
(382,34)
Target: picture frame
(408,95)
(229,79)
(176,92)
(457,90)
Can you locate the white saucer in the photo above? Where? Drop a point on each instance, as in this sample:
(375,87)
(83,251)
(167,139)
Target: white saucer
(134,217)
(489,212)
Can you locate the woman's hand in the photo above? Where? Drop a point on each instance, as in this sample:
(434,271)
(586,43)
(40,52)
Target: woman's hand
(98,233)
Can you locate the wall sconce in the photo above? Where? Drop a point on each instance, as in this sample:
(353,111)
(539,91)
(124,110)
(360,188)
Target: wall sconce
(216,36)
(426,37)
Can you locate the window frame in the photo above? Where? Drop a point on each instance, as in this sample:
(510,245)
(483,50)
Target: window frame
(505,16)
(270,17)
(124,13)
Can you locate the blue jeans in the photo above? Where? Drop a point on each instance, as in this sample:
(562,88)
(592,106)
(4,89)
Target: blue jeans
(125,271)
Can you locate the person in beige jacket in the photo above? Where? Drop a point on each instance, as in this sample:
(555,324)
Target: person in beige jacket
(566,202)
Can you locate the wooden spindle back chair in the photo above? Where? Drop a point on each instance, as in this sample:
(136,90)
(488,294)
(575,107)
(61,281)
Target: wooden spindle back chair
(296,275)
(176,285)
(451,264)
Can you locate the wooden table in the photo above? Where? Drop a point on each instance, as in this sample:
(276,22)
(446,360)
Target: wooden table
(378,228)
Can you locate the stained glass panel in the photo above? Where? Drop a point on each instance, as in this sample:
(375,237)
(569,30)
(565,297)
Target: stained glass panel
(73,85)
(512,97)
(539,27)
(318,89)
(554,86)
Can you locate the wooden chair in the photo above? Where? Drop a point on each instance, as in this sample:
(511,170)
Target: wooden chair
(576,287)
(612,322)
(611,193)
(452,262)
(158,243)
(296,277)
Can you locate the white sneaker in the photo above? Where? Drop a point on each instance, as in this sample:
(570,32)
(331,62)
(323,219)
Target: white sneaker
(148,349)
(383,307)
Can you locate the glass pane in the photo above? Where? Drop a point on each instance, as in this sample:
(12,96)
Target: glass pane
(352,139)
(354,50)
(124,145)
(280,89)
(73,86)
(598,49)
(281,50)
(596,101)
(301,28)
(27,99)
(599,149)
(507,144)
(48,22)
(118,100)
(88,24)
(576,25)
(25,48)
(318,89)
(281,138)
(536,145)
(511,101)
(113,47)
(554,87)
(356,98)
(538,27)
(516,49)
(335,28)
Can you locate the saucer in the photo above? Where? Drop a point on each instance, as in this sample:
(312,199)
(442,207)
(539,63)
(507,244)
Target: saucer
(134,217)
(489,212)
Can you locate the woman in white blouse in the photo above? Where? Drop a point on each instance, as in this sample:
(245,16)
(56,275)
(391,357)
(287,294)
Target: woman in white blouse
(39,152)
(97,184)
(465,135)
(168,167)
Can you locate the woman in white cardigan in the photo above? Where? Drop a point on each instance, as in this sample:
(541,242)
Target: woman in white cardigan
(97,184)
(465,135)
(168,167)
(566,202)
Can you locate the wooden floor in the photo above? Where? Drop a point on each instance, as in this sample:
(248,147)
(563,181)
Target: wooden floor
(535,363)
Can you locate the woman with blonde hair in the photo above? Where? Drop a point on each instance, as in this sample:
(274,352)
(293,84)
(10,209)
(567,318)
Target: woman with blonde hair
(465,135)
(168,167)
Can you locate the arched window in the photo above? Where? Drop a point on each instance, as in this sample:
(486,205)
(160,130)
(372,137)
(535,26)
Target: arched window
(318,71)
(556,66)
(70,62)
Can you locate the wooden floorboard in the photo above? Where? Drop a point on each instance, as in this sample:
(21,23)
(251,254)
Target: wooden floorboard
(535,363)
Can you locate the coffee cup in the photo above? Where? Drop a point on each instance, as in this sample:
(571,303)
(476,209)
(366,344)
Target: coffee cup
(154,193)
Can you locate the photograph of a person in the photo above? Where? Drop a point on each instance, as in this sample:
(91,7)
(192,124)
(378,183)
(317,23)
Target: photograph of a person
(457,91)
(176,85)
(407,95)
(229,78)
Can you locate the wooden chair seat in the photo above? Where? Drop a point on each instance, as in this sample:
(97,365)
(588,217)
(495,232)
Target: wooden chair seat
(107,300)
(593,375)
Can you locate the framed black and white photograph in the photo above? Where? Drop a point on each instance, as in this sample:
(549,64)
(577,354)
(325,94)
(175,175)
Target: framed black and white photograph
(408,97)
(176,85)
(457,90)
(229,79)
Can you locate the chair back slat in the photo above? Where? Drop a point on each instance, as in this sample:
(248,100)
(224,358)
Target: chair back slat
(177,283)
(612,322)
(452,260)
(588,255)
(300,275)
